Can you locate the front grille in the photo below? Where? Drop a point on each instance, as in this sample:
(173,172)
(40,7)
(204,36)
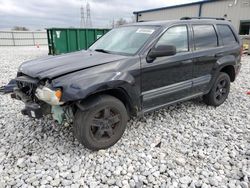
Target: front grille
(27,85)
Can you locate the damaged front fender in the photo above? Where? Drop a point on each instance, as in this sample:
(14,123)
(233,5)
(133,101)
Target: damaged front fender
(84,86)
(122,75)
(79,86)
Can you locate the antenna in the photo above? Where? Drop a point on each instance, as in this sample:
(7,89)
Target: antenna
(88,19)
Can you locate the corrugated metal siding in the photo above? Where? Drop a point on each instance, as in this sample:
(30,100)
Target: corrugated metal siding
(170,14)
(22,38)
(235,10)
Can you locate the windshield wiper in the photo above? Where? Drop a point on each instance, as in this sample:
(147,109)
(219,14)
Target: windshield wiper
(102,50)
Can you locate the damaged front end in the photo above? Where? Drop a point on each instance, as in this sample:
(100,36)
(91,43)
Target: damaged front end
(41,99)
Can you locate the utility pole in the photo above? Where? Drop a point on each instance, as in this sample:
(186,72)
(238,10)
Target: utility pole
(82,23)
(88,19)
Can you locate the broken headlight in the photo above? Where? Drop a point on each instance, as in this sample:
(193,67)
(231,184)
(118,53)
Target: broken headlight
(49,96)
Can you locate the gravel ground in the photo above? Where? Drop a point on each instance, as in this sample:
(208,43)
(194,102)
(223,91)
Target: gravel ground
(185,145)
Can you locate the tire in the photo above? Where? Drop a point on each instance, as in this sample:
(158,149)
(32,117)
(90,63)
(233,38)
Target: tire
(102,125)
(219,92)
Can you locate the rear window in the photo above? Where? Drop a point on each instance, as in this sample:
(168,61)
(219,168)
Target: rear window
(226,34)
(205,37)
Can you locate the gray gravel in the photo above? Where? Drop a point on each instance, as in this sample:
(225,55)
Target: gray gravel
(200,146)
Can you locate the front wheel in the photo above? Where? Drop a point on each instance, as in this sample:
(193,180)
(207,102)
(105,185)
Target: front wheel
(219,92)
(102,125)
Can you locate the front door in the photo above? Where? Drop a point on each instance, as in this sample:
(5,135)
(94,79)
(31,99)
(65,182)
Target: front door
(168,79)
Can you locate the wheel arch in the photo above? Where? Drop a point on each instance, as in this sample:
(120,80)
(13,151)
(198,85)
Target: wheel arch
(118,93)
(230,70)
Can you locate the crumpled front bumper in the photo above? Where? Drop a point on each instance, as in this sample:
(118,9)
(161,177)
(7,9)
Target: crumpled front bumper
(31,109)
(40,109)
(9,87)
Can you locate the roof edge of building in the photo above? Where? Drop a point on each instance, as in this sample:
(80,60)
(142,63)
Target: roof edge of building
(175,6)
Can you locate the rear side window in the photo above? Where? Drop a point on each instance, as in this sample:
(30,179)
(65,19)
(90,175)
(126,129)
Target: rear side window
(226,34)
(204,37)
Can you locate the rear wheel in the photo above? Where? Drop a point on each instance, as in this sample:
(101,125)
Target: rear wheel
(219,92)
(101,126)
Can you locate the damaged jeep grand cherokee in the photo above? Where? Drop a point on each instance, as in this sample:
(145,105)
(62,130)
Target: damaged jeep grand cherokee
(130,71)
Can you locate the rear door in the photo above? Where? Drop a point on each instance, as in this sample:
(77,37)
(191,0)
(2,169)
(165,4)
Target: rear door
(230,42)
(169,78)
(206,52)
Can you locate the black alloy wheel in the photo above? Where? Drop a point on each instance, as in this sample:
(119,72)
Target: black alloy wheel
(103,124)
(219,92)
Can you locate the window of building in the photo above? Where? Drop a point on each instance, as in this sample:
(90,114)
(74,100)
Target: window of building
(245,28)
(204,37)
(226,34)
(177,36)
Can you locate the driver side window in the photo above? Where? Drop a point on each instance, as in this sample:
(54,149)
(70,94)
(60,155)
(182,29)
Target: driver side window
(176,36)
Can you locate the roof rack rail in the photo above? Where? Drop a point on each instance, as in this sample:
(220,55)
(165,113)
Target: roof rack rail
(190,18)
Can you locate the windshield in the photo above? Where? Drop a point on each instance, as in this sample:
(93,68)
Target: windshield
(123,40)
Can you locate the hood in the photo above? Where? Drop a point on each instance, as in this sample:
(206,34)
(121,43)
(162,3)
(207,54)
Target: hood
(54,66)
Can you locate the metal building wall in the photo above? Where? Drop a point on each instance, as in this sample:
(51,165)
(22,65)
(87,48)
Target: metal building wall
(170,14)
(235,10)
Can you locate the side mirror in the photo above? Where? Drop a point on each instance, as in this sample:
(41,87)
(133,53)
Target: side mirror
(161,51)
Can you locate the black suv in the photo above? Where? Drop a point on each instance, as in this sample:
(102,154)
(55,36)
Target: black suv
(130,71)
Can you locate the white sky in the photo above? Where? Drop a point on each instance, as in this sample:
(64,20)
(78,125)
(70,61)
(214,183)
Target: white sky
(39,14)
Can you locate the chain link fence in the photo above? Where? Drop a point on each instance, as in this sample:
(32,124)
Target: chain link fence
(23,38)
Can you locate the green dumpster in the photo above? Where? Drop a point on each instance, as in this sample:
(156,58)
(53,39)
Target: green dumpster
(65,40)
